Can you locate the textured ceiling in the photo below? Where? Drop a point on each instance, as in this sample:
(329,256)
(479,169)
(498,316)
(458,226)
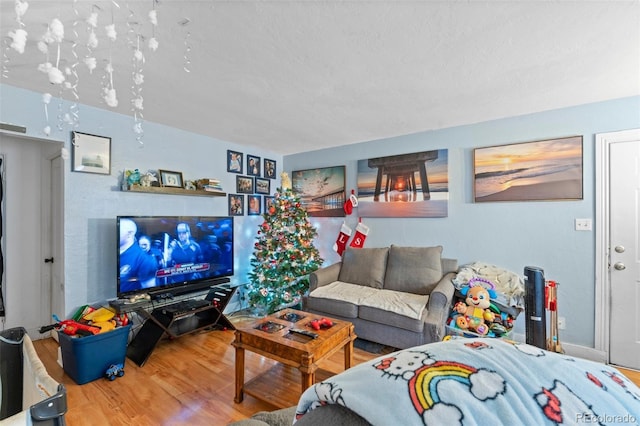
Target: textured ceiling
(295,76)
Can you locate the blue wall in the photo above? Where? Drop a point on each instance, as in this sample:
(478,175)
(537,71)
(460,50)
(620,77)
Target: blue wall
(92,201)
(508,234)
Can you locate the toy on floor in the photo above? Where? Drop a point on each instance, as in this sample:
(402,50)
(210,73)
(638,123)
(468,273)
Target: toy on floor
(115,370)
(475,314)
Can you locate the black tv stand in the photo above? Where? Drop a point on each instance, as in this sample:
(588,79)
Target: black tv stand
(177,318)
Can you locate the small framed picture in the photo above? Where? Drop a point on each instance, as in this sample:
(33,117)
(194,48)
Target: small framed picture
(236,205)
(255,205)
(244,184)
(171,179)
(234,161)
(253,165)
(263,186)
(91,153)
(269,169)
(268,203)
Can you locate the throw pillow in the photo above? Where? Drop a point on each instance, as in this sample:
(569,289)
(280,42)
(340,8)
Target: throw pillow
(413,269)
(364,266)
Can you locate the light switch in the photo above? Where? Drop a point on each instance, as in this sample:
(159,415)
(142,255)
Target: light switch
(583,224)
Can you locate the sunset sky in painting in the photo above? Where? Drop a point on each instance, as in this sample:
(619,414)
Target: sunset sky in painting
(507,157)
(437,172)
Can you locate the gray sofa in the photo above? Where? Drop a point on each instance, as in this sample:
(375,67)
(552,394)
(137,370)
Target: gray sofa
(396,296)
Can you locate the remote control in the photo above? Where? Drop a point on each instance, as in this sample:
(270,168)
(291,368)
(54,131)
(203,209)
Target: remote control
(303,332)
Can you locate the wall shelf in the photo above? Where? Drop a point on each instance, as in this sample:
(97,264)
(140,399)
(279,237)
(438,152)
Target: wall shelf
(175,191)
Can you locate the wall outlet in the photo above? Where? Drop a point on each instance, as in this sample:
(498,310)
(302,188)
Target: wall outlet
(562,323)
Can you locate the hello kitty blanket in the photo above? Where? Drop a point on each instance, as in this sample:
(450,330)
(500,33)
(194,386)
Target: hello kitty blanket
(479,382)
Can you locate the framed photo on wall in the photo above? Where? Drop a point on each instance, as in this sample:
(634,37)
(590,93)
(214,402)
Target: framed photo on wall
(404,185)
(321,190)
(255,205)
(269,169)
(91,153)
(269,202)
(529,171)
(236,204)
(244,184)
(263,186)
(171,179)
(234,161)
(253,165)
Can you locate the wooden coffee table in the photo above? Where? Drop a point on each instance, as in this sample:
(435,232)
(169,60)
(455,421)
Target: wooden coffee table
(271,338)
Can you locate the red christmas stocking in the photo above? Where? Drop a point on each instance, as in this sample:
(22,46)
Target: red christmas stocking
(343,237)
(362,231)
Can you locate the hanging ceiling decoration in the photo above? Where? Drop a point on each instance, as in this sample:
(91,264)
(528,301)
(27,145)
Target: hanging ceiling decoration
(66,78)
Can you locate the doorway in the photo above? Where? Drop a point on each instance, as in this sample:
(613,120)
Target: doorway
(617,246)
(27,239)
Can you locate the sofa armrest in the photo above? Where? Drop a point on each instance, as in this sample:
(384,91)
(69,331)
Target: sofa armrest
(324,276)
(438,307)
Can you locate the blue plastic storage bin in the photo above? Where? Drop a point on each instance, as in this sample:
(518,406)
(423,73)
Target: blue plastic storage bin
(87,358)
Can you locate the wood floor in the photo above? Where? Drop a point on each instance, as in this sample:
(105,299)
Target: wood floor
(186,381)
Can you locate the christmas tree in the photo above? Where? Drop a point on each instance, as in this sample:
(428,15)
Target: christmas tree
(284,253)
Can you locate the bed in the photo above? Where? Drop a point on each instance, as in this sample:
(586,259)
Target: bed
(473,382)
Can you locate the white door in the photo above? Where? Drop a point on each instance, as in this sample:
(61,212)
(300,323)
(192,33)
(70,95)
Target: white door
(57,237)
(624,253)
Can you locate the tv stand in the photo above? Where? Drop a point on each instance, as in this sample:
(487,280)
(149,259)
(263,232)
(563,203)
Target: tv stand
(176,318)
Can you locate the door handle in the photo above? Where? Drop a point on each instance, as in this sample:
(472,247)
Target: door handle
(49,260)
(619,266)
(619,249)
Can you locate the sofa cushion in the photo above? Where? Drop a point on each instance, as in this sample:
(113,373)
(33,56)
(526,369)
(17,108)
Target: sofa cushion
(365,266)
(391,319)
(339,298)
(413,269)
(402,303)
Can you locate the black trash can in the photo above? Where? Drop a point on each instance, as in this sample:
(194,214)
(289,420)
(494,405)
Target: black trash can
(11,371)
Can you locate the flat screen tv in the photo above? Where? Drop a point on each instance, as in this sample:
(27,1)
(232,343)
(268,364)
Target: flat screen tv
(173,254)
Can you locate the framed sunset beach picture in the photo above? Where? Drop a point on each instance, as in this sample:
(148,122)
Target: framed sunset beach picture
(529,171)
(404,185)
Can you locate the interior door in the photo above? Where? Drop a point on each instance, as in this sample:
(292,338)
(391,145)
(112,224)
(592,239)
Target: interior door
(624,249)
(57,237)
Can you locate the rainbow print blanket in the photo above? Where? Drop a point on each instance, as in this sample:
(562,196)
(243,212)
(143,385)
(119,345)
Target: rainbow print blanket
(479,382)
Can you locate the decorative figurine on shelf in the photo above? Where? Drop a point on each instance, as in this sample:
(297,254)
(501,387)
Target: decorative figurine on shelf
(148,179)
(134,177)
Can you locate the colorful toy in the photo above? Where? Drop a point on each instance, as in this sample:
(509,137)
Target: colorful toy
(474,311)
(71,327)
(317,324)
(115,370)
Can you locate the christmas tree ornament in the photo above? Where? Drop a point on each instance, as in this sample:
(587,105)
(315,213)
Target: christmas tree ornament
(350,203)
(359,238)
(343,237)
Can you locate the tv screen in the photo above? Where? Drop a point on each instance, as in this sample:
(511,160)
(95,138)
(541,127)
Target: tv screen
(158,253)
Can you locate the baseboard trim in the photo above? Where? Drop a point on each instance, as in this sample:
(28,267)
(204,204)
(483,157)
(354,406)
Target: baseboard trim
(577,351)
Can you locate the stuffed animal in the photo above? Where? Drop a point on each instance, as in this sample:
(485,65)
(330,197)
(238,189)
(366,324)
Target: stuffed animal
(474,311)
